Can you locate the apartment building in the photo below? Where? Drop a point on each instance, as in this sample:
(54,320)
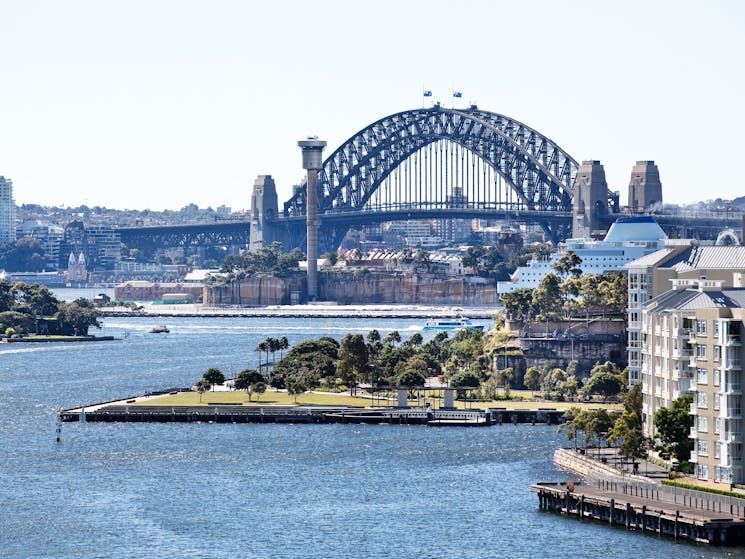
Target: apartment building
(691,341)
(653,274)
(7,212)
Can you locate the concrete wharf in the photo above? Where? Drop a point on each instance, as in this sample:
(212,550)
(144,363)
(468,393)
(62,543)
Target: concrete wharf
(634,508)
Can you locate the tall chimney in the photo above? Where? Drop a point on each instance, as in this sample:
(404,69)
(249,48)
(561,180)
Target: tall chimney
(312,149)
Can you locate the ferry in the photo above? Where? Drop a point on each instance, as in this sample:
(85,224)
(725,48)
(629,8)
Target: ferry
(162,329)
(451,324)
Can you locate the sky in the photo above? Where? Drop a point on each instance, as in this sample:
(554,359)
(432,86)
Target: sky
(161,103)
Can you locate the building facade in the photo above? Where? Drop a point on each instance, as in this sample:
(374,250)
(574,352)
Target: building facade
(692,343)
(7,212)
(653,274)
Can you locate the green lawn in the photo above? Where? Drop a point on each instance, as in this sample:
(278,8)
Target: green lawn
(282,398)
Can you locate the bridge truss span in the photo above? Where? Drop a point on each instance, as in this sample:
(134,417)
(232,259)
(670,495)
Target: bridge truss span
(440,158)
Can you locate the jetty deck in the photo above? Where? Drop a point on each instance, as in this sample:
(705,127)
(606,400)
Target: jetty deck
(135,410)
(636,509)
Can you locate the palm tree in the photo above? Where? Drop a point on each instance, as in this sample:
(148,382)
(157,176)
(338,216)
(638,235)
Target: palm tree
(261,348)
(283,345)
(273,347)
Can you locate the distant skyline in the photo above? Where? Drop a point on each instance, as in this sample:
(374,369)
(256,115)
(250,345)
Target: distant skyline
(158,104)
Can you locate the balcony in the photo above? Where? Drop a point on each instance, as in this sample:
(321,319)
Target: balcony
(694,409)
(693,433)
(731,413)
(691,337)
(732,436)
(733,388)
(734,341)
(732,364)
(734,460)
(685,385)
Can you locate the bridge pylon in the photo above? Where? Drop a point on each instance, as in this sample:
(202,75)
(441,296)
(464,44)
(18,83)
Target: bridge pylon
(264,205)
(590,203)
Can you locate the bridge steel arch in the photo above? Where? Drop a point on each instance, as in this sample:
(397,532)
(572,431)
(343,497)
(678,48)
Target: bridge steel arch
(540,173)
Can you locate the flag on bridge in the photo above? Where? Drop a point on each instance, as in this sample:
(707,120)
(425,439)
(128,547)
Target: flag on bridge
(428,93)
(457,94)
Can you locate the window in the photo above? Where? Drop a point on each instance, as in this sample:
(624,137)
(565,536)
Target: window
(700,327)
(702,471)
(701,399)
(717,449)
(702,423)
(700,351)
(701,376)
(717,401)
(715,328)
(717,376)
(702,447)
(717,425)
(717,352)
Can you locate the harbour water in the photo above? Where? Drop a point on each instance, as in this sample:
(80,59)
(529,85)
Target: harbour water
(263,490)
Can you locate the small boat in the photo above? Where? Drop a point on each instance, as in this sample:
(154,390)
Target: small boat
(162,329)
(458,323)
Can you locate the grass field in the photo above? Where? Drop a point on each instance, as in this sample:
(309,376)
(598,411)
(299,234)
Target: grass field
(270,397)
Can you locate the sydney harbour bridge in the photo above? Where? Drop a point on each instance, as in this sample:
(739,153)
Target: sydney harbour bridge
(439,163)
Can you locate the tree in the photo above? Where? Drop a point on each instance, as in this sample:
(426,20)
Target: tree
(258,388)
(568,263)
(465,379)
(599,424)
(202,386)
(77,317)
(574,422)
(672,426)
(628,427)
(518,303)
(416,339)
(394,337)
(246,379)
(296,387)
(532,379)
(24,255)
(284,344)
(603,383)
(410,378)
(213,376)
(547,296)
(505,377)
(353,358)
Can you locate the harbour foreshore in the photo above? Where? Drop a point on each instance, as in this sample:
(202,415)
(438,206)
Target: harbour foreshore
(321,310)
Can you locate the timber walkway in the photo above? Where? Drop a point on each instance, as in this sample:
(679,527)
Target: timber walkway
(649,509)
(135,410)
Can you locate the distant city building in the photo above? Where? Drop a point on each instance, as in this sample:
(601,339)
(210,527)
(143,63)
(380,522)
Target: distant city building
(7,212)
(77,270)
(47,234)
(653,274)
(627,239)
(101,245)
(692,342)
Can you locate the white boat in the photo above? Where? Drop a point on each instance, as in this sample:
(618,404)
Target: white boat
(458,323)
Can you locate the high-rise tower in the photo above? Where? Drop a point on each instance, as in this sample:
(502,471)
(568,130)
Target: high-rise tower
(7,212)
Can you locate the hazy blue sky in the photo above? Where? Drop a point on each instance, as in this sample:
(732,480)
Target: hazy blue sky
(148,103)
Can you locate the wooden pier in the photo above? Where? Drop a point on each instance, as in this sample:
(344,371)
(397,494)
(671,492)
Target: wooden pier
(129,412)
(637,512)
